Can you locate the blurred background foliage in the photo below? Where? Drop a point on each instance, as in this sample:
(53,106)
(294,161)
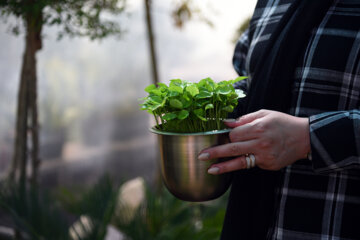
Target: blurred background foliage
(88,214)
(89,119)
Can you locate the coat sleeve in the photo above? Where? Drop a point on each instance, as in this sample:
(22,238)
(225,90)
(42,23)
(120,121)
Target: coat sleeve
(240,55)
(239,63)
(335,141)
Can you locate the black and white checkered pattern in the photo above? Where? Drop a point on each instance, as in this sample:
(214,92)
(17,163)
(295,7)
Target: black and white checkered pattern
(318,199)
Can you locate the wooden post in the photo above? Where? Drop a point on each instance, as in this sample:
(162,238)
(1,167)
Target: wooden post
(155,77)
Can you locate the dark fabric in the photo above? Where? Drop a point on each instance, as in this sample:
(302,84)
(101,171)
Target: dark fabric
(272,80)
(252,201)
(319,198)
(251,205)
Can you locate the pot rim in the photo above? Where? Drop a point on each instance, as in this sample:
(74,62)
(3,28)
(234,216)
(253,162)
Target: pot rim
(213,132)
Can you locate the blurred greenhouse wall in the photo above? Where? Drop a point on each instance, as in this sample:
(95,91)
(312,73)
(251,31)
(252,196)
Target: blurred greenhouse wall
(88,91)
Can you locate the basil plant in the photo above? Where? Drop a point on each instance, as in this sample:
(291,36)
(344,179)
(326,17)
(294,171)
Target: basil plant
(186,107)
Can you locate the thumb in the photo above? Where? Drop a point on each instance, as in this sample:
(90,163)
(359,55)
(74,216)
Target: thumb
(233,123)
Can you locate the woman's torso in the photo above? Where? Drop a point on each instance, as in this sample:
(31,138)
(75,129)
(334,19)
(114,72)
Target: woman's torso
(327,78)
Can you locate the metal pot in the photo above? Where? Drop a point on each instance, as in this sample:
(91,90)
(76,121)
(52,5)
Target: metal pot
(184,175)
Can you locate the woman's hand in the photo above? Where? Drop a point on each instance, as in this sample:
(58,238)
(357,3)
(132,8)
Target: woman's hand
(275,139)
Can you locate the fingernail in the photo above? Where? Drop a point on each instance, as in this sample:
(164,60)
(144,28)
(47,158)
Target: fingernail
(213,170)
(229,120)
(204,156)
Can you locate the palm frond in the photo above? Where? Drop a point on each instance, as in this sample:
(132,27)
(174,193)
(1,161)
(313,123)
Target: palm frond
(162,216)
(34,214)
(95,209)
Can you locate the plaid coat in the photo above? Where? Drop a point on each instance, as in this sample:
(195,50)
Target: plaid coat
(318,198)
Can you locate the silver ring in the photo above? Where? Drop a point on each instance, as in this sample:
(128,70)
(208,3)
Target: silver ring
(250,160)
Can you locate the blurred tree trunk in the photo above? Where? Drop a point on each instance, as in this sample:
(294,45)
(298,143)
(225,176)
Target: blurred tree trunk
(26,118)
(148,5)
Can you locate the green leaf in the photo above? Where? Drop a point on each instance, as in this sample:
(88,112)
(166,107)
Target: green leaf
(221,98)
(225,90)
(150,88)
(202,102)
(232,96)
(208,83)
(228,108)
(209,106)
(197,104)
(156,92)
(204,94)
(163,85)
(176,103)
(240,93)
(200,114)
(173,94)
(234,102)
(182,114)
(142,99)
(186,102)
(176,89)
(202,89)
(192,101)
(186,97)
(169,116)
(154,107)
(193,90)
(175,82)
(155,99)
(238,79)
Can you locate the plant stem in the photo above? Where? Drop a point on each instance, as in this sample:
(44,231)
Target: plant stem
(157,122)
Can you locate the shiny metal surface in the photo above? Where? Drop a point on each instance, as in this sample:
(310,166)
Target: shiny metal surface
(184,175)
